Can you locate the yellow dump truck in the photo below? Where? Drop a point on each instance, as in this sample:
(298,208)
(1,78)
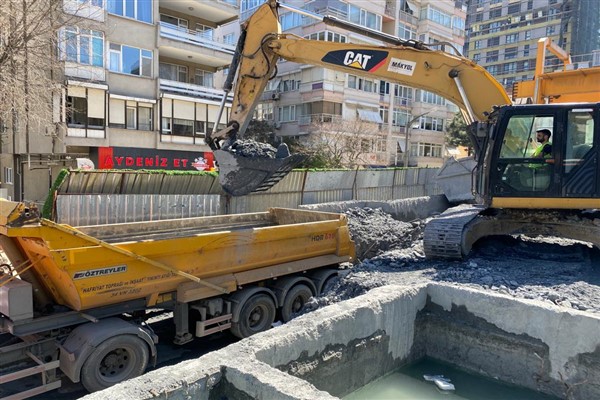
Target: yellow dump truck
(73,300)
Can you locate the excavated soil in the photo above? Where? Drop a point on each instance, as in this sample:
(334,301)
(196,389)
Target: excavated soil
(558,271)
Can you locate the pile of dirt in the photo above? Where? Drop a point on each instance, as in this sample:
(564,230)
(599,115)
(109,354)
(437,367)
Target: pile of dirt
(375,231)
(551,270)
(252,148)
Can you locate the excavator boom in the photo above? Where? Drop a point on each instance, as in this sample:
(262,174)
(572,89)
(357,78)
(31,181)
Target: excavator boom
(408,63)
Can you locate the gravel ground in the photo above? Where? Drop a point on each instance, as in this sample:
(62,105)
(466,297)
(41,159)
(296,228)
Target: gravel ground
(559,271)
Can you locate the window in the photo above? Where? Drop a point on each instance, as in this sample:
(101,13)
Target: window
(175,21)
(492,69)
(479,17)
(426,150)
(144,118)
(491,56)
(136,9)
(514,9)
(8,175)
(173,72)
(510,68)
(430,98)
(477,44)
(78,114)
(229,38)
(512,38)
(366,85)
(495,41)
(580,137)
(83,46)
(264,112)
(527,35)
(364,17)
(510,53)
(131,117)
(287,113)
(496,13)
(205,31)
(129,114)
(526,50)
(96,3)
(550,30)
(130,60)
(476,57)
(431,123)
(204,78)
(250,4)
(437,16)
(406,32)
(290,20)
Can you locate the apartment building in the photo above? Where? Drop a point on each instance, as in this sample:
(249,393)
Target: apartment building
(140,87)
(304,95)
(503,34)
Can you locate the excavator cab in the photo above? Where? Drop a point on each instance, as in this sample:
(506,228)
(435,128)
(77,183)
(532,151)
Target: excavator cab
(515,176)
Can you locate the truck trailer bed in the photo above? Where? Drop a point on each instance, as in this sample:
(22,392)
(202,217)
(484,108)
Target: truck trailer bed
(95,266)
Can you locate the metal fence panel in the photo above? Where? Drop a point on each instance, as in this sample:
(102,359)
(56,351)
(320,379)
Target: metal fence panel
(292,182)
(326,196)
(81,210)
(329,180)
(261,202)
(373,178)
(375,193)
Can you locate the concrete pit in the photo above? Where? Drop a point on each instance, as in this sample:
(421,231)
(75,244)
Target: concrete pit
(337,349)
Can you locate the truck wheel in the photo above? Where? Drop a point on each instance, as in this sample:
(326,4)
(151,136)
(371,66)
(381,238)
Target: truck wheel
(114,360)
(257,315)
(294,300)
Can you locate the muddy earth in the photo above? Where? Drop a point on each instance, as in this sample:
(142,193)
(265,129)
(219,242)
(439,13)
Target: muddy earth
(558,271)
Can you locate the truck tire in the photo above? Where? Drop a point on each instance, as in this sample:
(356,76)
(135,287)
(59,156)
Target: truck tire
(115,360)
(294,300)
(256,315)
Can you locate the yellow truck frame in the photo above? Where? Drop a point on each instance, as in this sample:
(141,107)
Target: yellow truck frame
(65,289)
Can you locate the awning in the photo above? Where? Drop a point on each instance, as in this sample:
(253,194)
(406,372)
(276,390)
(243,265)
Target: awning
(411,7)
(370,116)
(400,144)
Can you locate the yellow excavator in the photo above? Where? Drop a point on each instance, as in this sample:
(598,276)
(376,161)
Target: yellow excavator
(516,192)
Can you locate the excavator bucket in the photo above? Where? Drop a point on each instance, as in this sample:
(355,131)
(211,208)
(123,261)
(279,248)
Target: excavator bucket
(240,175)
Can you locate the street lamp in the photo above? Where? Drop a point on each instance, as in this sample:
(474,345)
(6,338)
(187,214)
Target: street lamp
(408,129)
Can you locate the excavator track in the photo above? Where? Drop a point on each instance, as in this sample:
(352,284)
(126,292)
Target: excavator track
(453,233)
(443,236)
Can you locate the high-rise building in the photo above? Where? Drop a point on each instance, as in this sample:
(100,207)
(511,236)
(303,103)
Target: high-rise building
(304,95)
(140,88)
(502,35)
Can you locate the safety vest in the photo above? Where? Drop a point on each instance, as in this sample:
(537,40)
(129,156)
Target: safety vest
(540,150)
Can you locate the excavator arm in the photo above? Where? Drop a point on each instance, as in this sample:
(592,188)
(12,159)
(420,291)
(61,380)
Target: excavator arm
(261,44)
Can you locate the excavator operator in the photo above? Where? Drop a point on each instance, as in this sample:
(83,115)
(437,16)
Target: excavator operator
(544,150)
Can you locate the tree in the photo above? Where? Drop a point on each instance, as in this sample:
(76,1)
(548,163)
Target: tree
(261,131)
(456,133)
(28,64)
(340,143)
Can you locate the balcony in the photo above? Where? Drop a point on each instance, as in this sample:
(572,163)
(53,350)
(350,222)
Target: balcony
(191,90)
(305,120)
(185,44)
(218,11)
(407,18)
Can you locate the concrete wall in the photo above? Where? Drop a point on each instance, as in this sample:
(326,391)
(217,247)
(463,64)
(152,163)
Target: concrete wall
(540,346)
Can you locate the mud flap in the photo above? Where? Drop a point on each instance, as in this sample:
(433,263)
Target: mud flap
(241,175)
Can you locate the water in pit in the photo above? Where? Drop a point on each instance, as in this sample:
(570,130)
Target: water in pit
(407,383)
